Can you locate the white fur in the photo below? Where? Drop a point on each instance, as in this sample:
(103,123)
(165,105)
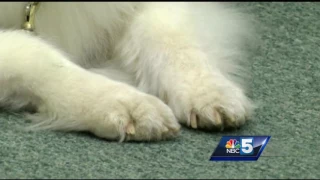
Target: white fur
(93,64)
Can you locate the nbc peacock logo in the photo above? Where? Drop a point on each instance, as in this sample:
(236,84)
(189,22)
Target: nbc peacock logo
(233,146)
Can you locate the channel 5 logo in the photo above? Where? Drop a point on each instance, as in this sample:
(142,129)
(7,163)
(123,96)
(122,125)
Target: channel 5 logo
(240,148)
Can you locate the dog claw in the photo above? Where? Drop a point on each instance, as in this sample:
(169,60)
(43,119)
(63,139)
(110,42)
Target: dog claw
(193,120)
(130,129)
(217,118)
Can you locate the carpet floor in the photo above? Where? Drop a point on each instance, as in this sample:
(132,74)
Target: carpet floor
(285,83)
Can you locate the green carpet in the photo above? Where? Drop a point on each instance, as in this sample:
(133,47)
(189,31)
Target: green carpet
(286,85)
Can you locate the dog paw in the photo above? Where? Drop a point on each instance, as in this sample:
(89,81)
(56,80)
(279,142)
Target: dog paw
(109,110)
(140,117)
(212,105)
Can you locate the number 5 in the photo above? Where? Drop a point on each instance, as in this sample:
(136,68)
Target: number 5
(246,146)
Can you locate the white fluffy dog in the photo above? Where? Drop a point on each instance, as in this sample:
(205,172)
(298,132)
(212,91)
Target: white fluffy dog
(125,70)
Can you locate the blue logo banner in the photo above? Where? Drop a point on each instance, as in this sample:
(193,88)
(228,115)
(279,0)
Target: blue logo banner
(240,148)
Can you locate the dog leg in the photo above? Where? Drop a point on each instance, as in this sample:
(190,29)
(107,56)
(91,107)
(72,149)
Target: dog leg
(70,98)
(162,47)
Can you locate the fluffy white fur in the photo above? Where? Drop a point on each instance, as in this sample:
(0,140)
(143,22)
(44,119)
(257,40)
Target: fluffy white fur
(126,70)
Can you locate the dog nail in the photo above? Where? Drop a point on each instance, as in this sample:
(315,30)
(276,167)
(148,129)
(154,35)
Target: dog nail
(193,120)
(130,129)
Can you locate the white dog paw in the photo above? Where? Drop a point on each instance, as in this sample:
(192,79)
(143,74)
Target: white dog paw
(113,111)
(210,106)
(138,118)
